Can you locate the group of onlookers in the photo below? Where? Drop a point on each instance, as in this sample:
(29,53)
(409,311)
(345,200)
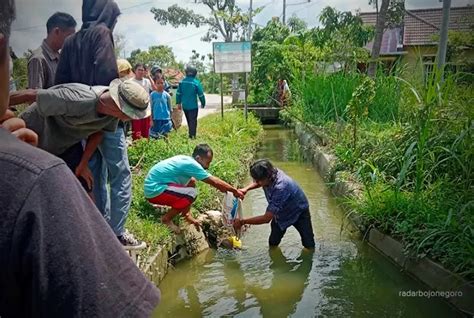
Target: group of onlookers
(65,179)
(58,255)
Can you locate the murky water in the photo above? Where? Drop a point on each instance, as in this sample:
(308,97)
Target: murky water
(342,278)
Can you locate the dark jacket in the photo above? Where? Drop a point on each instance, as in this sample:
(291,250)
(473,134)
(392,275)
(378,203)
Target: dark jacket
(88,57)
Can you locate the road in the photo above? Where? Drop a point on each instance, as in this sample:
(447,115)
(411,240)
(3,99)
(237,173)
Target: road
(213,104)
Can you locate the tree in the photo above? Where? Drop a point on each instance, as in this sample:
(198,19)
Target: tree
(268,59)
(296,24)
(390,14)
(198,61)
(342,37)
(160,55)
(226,19)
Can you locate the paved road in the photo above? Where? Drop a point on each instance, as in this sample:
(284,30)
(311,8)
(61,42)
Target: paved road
(213,104)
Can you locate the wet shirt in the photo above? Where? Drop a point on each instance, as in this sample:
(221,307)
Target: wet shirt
(189,90)
(160,105)
(42,67)
(66,114)
(178,170)
(58,255)
(285,199)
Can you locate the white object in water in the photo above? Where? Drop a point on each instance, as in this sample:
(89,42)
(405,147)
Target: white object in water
(231,210)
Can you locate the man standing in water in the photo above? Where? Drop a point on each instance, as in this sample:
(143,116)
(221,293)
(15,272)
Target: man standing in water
(287,204)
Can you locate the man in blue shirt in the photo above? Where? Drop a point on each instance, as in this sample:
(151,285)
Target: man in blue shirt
(189,90)
(287,204)
(171,182)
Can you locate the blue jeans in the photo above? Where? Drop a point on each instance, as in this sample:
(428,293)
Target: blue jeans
(110,164)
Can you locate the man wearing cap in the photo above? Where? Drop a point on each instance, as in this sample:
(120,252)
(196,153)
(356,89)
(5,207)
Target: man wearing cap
(68,113)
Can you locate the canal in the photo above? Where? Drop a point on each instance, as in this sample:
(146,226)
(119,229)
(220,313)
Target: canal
(342,278)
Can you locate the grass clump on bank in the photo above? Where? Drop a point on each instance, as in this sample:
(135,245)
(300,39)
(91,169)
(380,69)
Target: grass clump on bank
(414,155)
(233,141)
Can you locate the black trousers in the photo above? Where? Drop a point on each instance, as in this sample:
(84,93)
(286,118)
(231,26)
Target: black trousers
(302,225)
(72,157)
(191,118)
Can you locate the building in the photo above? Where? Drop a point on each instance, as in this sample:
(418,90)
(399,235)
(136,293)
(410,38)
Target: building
(414,41)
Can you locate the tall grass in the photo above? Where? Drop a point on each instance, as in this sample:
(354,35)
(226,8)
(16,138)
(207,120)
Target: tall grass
(325,97)
(414,156)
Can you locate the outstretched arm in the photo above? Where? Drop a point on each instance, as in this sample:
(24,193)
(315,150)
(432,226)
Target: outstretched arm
(26,96)
(252,186)
(223,186)
(261,219)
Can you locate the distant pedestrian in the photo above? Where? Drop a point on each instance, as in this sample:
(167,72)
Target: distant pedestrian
(284,92)
(44,61)
(141,128)
(156,72)
(189,90)
(160,111)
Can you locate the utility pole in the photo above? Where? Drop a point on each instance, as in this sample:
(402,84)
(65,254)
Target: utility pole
(443,35)
(250,21)
(284,12)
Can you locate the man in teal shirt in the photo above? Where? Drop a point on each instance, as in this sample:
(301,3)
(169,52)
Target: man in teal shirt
(171,182)
(189,90)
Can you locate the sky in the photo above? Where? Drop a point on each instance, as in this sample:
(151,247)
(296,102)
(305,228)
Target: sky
(141,31)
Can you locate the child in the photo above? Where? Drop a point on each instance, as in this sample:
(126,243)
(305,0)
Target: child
(160,111)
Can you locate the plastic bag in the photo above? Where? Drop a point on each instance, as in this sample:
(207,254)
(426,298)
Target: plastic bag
(231,209)
(177,118)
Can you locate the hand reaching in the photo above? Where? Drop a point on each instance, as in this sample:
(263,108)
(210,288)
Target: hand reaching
(239,194)
(237,223)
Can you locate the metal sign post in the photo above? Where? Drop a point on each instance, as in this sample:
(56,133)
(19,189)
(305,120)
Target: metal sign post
(232,57)
(246,93)
(222,98)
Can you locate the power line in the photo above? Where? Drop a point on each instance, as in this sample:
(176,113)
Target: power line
(184,38)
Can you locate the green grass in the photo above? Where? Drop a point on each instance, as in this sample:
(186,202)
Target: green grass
(324,97)
(234,142)
(438,223)
(414,157)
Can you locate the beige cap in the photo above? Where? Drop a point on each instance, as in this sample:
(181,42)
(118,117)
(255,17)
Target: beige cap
(123,65)
(131,98)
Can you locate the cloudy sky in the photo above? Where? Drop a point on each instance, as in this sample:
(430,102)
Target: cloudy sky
(141,31)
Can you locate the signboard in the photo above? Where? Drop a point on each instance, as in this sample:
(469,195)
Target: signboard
(232,57)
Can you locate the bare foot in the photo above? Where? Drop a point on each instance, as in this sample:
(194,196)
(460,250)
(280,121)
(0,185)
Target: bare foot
(173,227)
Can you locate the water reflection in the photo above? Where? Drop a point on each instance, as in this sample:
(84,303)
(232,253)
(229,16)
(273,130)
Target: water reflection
(287,285)
(342,278)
